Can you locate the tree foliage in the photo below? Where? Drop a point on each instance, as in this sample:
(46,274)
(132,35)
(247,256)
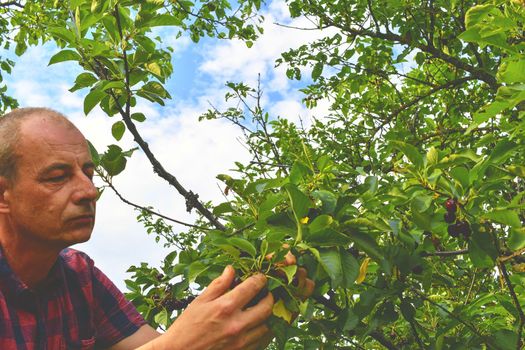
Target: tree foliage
(427,105)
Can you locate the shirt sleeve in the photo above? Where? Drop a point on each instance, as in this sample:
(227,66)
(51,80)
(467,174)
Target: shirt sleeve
(115,317)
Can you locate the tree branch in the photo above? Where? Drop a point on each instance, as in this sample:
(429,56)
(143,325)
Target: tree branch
(119,195)
(11,3)
(515,301)
(389,36)
(191,198)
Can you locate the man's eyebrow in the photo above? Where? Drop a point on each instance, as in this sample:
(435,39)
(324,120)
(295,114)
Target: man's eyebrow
(64,166)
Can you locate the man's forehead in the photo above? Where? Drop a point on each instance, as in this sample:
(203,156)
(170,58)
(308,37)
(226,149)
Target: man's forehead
(48,140)
(50,131)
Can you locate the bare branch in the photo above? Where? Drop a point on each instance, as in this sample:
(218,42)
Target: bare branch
(121,197)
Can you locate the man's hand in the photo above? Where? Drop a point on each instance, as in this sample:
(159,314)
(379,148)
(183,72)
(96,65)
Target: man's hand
(217,319)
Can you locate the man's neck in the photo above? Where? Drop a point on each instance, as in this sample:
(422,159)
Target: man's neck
(29,260)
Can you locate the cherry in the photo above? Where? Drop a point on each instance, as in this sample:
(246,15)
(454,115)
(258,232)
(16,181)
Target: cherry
(464,228)
(450,217)
(451,205)
(453,230)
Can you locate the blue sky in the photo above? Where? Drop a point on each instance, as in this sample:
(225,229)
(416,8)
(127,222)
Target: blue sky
(194,152)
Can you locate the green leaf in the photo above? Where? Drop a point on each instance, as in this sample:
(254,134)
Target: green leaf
(328,200)
(84,80)
(506,339)
(331,262)
(64,55)
(94,154)
(317,71)
(350,268)
(366,244)
(502,151)
(407,310)
(195,269)
(481,250)
(328,238)
(320,223)
(162,317)
(421,202)
(62,34)
(504,216)
(243,245)
(161,20)
(289,271)
(140,117)
(511,72)
(516,238)
(92,99)
(349,319)
(118,129)
(411,152)
(299,201)
(432,156)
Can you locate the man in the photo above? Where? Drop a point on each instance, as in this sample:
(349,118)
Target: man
(52,297)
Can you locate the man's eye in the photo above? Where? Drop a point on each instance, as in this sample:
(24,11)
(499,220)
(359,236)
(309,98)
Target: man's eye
(57,178)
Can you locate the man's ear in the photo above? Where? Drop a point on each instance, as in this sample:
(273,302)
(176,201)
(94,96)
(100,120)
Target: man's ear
(4,195)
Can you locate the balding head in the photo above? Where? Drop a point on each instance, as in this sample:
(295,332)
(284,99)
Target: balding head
(10,134)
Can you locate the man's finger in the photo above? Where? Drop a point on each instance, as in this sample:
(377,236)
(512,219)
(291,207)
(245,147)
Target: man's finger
(257,314)
(218,286)
(247,290)
(258,338)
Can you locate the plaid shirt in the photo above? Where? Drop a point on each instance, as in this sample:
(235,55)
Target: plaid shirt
(76,308)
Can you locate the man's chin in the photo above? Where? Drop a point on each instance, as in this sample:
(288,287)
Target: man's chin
(80,235)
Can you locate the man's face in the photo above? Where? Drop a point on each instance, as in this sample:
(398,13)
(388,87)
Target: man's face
(52,199)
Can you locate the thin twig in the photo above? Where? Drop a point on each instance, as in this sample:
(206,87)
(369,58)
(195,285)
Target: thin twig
(471,286)
(512,256)
(110,185)
(445,253)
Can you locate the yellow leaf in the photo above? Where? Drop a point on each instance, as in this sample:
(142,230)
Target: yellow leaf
(362,271)
(280,310)
(154,68)
(304,220)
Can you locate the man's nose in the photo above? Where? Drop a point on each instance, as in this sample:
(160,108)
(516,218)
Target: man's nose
(85,190)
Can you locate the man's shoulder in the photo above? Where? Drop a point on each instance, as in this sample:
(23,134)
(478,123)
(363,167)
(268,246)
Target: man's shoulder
(76,259)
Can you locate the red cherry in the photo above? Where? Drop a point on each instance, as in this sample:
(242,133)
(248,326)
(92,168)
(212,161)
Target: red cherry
(451,205)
